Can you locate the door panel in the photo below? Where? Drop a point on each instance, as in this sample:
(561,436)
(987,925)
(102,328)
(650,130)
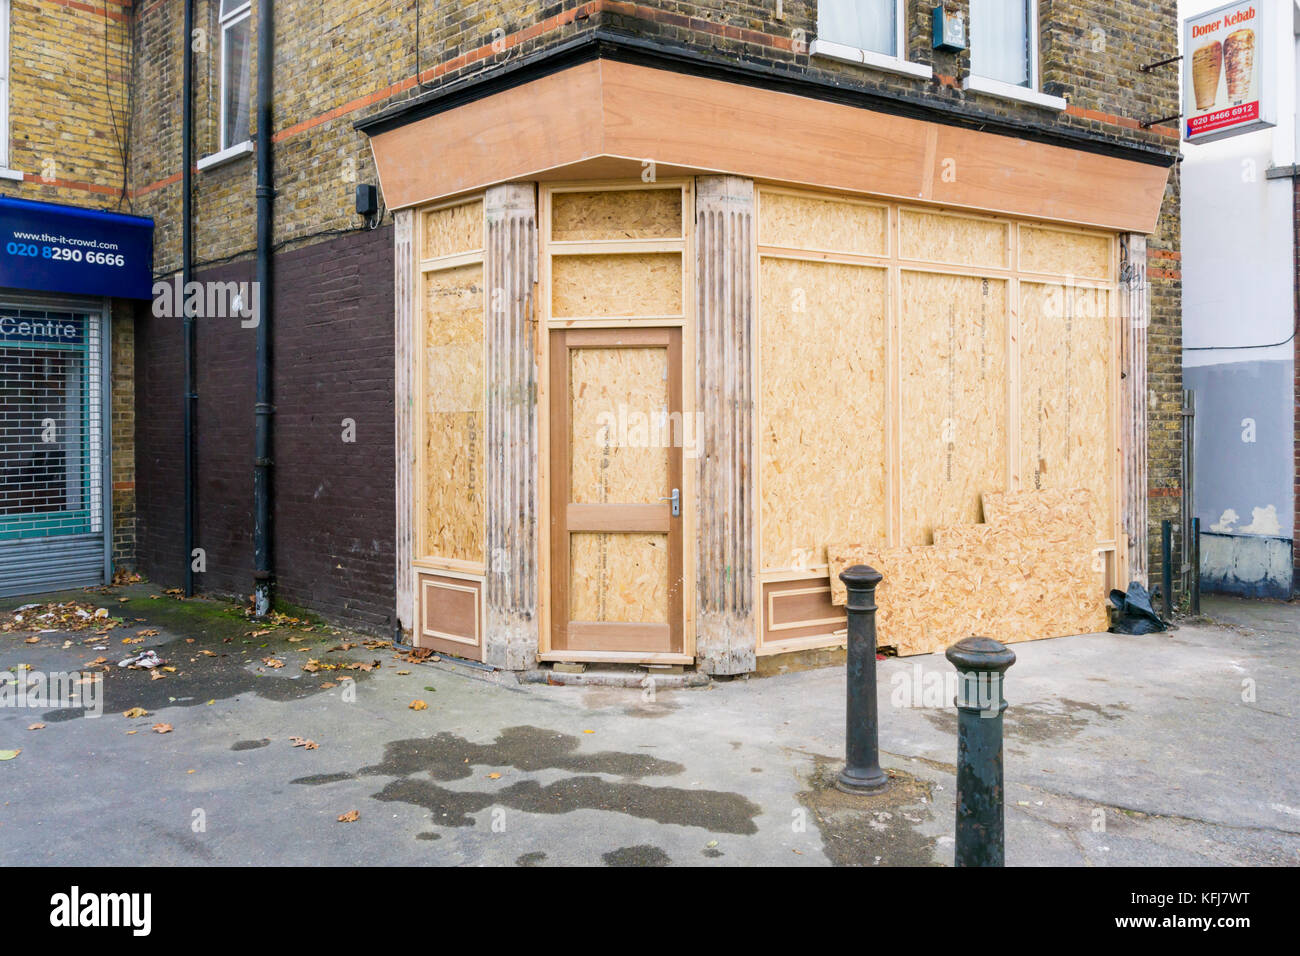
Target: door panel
(616,460)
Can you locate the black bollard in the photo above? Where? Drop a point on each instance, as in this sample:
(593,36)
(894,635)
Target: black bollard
(861,773)
(981,663)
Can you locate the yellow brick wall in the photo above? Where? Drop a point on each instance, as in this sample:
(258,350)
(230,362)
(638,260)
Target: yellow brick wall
(69,105)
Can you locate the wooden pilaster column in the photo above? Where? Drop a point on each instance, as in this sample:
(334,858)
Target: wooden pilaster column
(510,271)
(404,277)
(726,628)
(1135,316)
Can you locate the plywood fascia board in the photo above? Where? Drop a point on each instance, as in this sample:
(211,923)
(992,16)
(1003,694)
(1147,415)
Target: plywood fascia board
(608,111)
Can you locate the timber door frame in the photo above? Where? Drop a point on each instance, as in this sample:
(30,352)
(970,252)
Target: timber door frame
(548,249)
(568,517)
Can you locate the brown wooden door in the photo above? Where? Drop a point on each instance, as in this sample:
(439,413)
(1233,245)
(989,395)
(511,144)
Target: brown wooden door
(616,462)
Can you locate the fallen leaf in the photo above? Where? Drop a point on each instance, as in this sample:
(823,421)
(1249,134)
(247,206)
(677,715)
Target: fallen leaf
(135,712)
(162,728)
(207,653)
(494,776)
(402,673)
(133,640)
(418,705)
(36,727)
(155,675)
(588,731)
(132,733)
(147,633)
(328,684)
(32,640)
(352,816)
(273,662)
(169,670)
(304,743)
(9,754)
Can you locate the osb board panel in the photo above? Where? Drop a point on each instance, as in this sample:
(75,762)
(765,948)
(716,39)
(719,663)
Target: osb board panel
(617,400)
(827,225)
(616,286)
(1059,253)
(957,240)
(1065,394)
(453,414)
(616,214)
(953,428)
(1012,580)
(619,577)
(822,426)
(453,230)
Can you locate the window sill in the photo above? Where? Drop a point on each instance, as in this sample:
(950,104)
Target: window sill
(877,61)
(1008,91)
(227,155)
(13,174)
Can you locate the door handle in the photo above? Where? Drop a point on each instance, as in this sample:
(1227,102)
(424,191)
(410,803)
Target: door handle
(676,499)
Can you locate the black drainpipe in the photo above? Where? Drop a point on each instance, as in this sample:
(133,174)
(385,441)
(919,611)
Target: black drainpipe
(263,410)
(187,238)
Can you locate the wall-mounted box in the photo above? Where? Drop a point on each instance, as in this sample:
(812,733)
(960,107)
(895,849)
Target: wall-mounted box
(949,30)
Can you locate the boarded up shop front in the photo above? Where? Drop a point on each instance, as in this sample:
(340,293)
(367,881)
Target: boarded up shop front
(649,408)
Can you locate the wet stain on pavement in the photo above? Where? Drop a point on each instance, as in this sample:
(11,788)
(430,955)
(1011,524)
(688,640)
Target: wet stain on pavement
(446,757)
(250,744)
(428,835)
(222,662)
(641,855)
(1036,722)
(450,757)
(711,810)
(530,859)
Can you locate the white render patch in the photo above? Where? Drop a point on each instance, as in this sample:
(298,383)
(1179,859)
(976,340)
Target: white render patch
(1263,521)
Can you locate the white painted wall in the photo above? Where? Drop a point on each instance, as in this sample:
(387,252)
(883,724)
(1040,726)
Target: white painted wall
(1238,274)
(1237,233)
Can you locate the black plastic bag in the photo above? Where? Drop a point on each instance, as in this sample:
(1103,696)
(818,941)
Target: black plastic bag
(1136,615)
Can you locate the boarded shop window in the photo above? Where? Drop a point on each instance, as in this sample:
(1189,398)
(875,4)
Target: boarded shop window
(236,55)
(451,479)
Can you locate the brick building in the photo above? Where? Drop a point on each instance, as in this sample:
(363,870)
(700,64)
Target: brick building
(652,193)
(66,324)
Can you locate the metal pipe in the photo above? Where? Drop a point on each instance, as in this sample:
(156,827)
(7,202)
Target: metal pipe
(187,257)
(263,409)
(981,663)
(1196,566)
(1166,567)
(861,773)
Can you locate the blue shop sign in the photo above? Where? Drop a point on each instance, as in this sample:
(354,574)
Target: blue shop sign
(51,248)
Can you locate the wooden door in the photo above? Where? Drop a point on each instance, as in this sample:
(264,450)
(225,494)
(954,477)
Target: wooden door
(616,467)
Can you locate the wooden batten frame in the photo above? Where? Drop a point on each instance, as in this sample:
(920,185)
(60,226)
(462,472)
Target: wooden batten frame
(896,260)
(549,250)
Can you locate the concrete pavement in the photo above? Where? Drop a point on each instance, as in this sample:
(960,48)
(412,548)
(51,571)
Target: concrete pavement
(1178,748)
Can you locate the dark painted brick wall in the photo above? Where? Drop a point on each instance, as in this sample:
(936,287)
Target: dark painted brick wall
(333,518)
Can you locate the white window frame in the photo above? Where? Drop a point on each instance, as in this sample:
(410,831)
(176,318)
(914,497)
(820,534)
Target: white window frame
(878,61)
(1011,91)
(243,12)
(5,171)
